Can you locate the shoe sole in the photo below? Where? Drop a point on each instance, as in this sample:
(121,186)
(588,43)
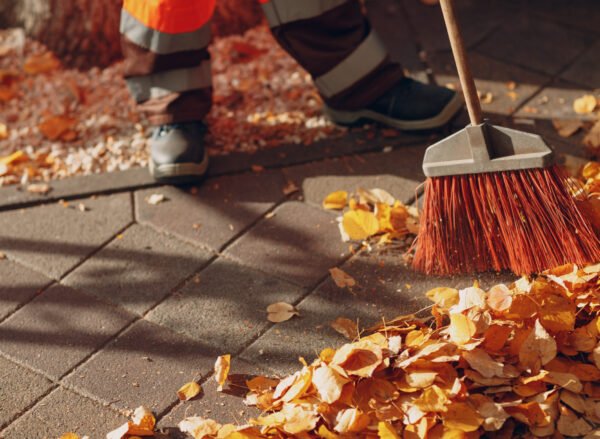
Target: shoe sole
(179,172)
(438,121)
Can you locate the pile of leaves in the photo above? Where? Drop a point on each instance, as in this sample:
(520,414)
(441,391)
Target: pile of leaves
(372,215)
(521,360)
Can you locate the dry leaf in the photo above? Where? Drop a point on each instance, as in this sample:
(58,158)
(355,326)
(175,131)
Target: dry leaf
(585,104)
(360,224)
(69,436)
(360,358)
(222,366)
(341,278)
(566,128)
(592,138)
(385,430)
(188,391)
(480,361)
(199,428)
(142,424)
(461,329)
(499,298)
(280,312)
(41,63)
(39,188)
(336,200)
(443,297)
(463,417)
(3,131)
(538,349)
(348,328)
(58,127)
(290,188)
(328,383)
(155,199)
(351,421)
(572,425)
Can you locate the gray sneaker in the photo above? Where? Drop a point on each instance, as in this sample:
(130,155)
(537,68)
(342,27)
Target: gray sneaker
(177,152)
(410,106)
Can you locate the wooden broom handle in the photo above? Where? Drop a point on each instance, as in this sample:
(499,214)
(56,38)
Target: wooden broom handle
(462,65)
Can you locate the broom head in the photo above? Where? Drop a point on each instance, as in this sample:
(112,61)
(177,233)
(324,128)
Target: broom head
(494,200)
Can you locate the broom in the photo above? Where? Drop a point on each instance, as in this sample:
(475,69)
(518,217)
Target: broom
(494,199)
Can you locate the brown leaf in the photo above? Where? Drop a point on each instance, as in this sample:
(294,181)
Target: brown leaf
(199,428)
(538,349)
(280,312)
(41,63)
(566,128)
(341,278)
(39,188)
(58,127)
(348,328)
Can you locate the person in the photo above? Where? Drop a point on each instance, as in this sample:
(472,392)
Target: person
(167,70)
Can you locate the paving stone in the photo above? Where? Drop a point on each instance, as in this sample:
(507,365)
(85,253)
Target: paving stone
(224,305)
(386,288)
(586,70)
(398,172)
(224,407)
(64,411)
(221,208)
(144,366)
(527,41)
(138,269)
(53,238)
(19,390)
(556,102)
(476,17)
(491,76)
(300,243)
(77,187)
(58,329)
(19,284)
(582,14)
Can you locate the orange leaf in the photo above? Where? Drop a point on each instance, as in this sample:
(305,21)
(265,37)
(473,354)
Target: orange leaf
(222,366)
(461,329)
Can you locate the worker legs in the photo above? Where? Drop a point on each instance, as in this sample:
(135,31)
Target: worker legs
(167,66)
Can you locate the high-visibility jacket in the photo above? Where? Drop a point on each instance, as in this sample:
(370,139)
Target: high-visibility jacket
(167,65)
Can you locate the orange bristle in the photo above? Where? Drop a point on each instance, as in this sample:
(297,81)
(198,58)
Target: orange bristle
(525,221)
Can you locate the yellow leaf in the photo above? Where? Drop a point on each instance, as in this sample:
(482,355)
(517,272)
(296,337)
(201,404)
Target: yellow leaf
(329,383)
(222,366)
(199,428)
(300,384)
(557,313)
(461,416)
(420,379)
(346,327)
(461,329)
(324,433)
(585,104)
(538,349)
(69,436)
(336,200)
(360,224)
(360,358)
(326,355)
(341,278)
(280,312)
(443,297)
(299,419)
(499,298)
(351,420)
(188,391)
(386,431)
(433,399)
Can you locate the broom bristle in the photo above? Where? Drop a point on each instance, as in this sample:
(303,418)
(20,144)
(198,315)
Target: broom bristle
(524,221)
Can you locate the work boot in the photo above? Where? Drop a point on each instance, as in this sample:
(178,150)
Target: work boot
(177,151)
(409,105)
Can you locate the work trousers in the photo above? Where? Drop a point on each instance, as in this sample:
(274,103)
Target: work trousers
(167,64)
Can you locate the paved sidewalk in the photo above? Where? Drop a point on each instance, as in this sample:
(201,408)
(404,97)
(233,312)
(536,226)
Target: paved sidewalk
(118,305)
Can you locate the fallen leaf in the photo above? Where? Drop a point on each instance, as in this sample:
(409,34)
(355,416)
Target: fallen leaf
(280,312)
(538,349)
(39,188)
(341,278)
(336,200)
(461,416)
(433,399)
(69,436)
(592,138)
(360,224)
(142,424)
(461,329)
(585,104)
(3,131)
(566,128)
(58,127)
(499,298)
(348,328)
(385,430)
(360,358)
(155,199)
(572,425)
(199,428)
(351,420)
(41,63)
(290,188)
(443,297)
(188,391)
(328,383)
(222,366)
(486,98)
(481,361)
